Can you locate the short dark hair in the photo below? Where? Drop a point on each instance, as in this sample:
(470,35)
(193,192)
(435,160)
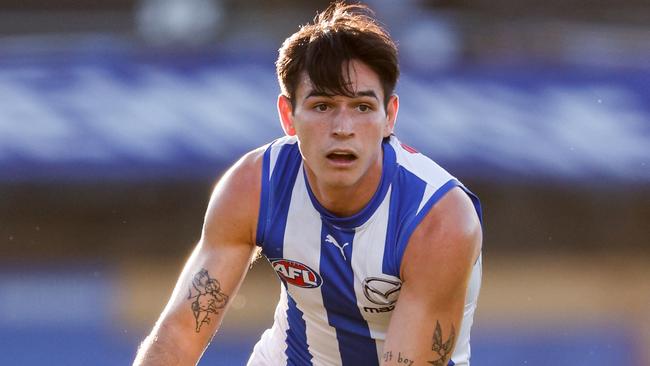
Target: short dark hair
(338,35)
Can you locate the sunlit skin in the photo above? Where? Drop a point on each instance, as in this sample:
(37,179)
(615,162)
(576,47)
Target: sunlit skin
(340,138)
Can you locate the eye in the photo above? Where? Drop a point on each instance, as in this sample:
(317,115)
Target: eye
(321,107)
(364,108)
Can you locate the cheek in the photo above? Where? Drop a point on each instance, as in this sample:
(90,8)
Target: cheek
(376,128)
(311,131)
(307,142)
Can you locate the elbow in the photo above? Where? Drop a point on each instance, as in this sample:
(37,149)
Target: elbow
(161,347)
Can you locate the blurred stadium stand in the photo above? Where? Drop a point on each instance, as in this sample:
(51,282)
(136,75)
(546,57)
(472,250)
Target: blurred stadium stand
(117,117)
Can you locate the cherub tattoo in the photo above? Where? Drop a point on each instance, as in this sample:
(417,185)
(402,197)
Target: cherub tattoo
(207,296)
(442,349)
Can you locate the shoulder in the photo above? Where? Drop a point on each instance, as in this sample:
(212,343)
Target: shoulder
(417,164)
(281,151)
(446,220)
(243,175)
(447,241)
(241,178)
(234,203)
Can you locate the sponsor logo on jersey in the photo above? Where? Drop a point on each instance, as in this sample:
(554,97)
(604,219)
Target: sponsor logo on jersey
(386,309)
(382,292)
(296,273)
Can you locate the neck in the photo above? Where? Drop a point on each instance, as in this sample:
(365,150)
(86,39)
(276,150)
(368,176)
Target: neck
(345,201)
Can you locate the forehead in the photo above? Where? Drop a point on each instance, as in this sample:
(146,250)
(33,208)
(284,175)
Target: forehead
(361,78)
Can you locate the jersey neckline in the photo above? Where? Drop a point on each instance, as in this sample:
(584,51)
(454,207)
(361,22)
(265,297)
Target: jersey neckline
(389,167)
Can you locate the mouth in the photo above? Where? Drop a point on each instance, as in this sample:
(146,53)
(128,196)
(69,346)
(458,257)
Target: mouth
(341,157)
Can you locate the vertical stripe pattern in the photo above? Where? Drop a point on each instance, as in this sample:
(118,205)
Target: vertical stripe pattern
(340,275)
(408,191)
(367,260)
(279,198)
(303,246)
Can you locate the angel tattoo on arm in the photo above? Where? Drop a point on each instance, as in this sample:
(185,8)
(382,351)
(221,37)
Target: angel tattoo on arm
(207,297)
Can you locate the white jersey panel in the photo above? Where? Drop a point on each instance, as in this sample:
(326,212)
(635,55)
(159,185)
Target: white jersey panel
(420,165)
(275,151)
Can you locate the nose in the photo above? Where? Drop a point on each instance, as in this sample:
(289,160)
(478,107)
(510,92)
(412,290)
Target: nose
(342,124)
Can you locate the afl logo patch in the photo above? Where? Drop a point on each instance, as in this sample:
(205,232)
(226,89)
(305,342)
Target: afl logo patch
(296,273)
(381,291)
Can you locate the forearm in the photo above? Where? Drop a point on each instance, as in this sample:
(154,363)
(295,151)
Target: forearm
(428,349)
(423,332)
(162,348)
(188,323)
(156,351)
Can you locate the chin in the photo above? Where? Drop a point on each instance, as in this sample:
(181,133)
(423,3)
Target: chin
(341,179)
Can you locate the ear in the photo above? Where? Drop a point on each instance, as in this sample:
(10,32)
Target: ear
(285,110)
(391,114)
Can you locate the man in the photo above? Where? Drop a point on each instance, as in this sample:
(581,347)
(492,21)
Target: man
(377,247)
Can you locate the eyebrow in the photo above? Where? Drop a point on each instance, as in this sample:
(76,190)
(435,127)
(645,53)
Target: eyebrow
(363,93)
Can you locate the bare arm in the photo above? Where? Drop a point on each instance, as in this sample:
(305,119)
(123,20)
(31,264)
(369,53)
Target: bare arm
(212,274)
(435,271)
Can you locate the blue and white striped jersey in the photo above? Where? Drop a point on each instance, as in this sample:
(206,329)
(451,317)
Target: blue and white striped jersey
(340,275)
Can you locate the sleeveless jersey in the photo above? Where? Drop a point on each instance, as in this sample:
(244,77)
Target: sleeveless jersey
(340,275)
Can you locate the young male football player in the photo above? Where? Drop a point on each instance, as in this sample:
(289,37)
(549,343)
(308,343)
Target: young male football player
(377,247)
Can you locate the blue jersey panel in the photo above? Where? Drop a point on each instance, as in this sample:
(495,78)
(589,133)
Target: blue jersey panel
(355,344)
(297,350)
(406,195)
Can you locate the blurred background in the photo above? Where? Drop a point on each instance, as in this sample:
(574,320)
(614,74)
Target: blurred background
(118,116)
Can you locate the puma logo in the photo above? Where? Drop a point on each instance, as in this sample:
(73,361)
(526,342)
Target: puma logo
(330,239)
